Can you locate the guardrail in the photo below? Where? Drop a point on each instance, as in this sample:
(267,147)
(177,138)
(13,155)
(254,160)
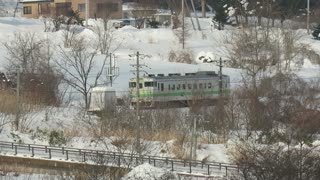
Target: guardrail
(116,159)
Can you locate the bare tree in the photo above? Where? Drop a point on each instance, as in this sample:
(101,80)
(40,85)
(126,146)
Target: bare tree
(78,65)
(106,38)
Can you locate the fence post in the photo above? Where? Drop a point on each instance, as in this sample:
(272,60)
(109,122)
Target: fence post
(208,169)
(62,150)
(190,167)
(29,147)
(49,153)
(119,163)
(32,150)
(12,145)
(79,152)
(226,171)
(84,156)
(172,165)
(167,161)
(154,162)
(67,155)
(45,148)
(15,150)
(149,160)
(220,166)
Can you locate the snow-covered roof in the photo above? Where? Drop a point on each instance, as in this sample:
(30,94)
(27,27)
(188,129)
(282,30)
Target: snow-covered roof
(102,89)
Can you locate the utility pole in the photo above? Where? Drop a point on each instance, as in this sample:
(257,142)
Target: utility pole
(183,25)
(137,72)
(203,5)
(87,12)
(112,70)
(17,119)
(308,16)
(220,77)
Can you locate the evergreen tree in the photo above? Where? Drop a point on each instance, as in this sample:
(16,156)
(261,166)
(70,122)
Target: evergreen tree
(221,16)
(316,32)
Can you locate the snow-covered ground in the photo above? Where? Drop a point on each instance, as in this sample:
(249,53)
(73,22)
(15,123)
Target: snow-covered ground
(154,42)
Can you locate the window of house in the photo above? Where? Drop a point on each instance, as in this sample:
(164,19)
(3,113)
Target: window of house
(27,10)
(82,7)
(112,7)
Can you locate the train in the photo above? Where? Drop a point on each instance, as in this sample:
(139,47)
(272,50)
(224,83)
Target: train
(178,89)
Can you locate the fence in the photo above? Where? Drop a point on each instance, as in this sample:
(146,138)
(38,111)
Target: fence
(116,159)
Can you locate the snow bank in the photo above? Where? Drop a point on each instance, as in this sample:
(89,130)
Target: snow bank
(148,172)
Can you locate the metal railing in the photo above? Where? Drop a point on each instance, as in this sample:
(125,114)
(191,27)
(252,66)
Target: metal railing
(116,158)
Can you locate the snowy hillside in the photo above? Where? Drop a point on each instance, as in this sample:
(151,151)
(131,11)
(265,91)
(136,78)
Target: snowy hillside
(157,44)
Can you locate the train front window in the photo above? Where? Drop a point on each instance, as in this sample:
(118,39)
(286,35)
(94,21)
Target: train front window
(132,84)
(149,84)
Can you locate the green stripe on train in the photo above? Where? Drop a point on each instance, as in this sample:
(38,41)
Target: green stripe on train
(178,93)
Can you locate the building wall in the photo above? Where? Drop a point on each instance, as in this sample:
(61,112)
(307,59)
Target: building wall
(34,10)
(97,8)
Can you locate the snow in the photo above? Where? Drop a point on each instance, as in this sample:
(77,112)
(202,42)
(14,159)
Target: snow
(156,43)
(146,171)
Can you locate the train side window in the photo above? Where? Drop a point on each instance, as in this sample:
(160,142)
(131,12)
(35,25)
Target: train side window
(195,86)
(158,86)
(140,86)
(200,86)
(205,85)
(189,86)
(154,84)
(169,87)
(178,87)
(183,86)
(209,85)
(162,86)
(173,87)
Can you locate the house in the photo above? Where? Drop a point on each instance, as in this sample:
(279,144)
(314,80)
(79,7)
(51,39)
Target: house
(97,8)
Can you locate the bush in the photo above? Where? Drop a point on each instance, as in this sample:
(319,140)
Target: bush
(316,32)
(56,138)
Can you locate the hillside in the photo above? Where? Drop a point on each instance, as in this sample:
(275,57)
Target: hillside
(158,44)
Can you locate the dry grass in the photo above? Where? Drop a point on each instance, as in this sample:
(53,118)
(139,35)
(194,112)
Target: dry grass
(181,57)
(8,102)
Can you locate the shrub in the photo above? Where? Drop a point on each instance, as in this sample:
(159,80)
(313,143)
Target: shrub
(56,138)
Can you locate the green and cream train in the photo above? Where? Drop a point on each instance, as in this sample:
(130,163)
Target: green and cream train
(178,89)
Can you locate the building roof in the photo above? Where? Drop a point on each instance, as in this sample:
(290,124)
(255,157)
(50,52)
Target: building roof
(31,1)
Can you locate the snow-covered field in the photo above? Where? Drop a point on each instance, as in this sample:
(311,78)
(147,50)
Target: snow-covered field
(154,42)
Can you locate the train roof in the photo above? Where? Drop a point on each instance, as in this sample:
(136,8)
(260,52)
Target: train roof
(199,74)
